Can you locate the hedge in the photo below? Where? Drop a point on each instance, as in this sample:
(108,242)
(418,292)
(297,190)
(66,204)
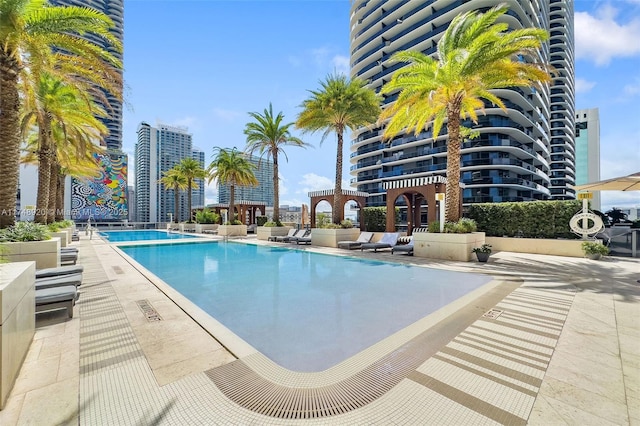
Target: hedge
(531,219)
(375,218)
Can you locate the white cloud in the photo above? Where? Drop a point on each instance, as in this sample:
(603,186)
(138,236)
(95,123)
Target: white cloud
(226,114)
(211,193)
(320,55)
(313,182)
(184,122)
(341,64)
(600,37)
(632,89)
(583,86)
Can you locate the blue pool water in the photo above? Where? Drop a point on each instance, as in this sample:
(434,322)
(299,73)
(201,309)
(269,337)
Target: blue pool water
(305,311)
(142,235)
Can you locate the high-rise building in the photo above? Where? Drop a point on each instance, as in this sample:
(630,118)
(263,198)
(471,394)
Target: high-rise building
(197,198)
(159,149)
(262,193)
(510,160)
(114,9)
(588,150)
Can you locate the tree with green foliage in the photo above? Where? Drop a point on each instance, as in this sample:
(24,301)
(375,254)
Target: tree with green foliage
(191,169)
(339,105)
(35,36)
(475,54)
(231,167)
(268,135)
(175,181)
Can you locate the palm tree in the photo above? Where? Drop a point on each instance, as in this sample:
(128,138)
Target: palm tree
(37,37)
(340,104)
(229,166)
(174,180)
(191,169)
(268,135)
(475,55)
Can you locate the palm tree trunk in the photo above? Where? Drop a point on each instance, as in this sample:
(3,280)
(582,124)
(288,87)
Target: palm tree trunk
(452,212)
(276,189)
(189,200)
(337,192)
(232,199)
(176,208)
(9,139)
(60,196)
(53,191)
(44,172)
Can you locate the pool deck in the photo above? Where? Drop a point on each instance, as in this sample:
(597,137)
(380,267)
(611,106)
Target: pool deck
(560,345)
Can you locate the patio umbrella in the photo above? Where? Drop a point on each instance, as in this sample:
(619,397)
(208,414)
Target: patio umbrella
(623,183)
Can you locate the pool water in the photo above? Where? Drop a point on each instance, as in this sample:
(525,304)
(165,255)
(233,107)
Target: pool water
(305,311)
(142,235)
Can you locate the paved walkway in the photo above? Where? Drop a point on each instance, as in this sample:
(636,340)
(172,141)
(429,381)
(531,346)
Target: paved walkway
(559,344)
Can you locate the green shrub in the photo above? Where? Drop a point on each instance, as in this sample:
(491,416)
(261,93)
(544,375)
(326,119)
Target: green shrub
(54,227)
(331,226)
(25,231)
(434,227)
(485,248)
(591,247)
(206,217)
(469,225)
(262,220)
(375,218)
(530,219)
(236,222)
(269,224)
(346,224)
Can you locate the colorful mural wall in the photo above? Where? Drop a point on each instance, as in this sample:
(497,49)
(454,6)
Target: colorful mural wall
(103,198)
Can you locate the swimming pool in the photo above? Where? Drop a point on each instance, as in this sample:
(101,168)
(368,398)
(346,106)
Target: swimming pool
(305,311)
(142,235)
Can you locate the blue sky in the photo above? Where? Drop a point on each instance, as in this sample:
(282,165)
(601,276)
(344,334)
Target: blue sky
(206,64)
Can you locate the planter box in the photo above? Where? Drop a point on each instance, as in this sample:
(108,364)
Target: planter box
(264,232)
(447,246)
(201,227)
(63,237)
(187,227)
(569,248)
(330,237)
(232,230)
(46,253)
(17,321)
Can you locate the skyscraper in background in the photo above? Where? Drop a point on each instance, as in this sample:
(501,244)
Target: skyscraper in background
(197,198)
(262,193)
(159,149)
(511,160)
(588,150)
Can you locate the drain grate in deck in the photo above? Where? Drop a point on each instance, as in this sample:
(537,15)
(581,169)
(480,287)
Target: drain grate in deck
(149,311)
(493,313)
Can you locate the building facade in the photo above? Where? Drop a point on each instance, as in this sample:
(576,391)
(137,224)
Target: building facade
(197,197)
(588,150)
(262,193)
(159,149)
(510,160)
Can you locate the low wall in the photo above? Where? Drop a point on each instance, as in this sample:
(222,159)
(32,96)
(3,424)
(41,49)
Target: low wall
(447,246)
(569,248)
(327,237)
(46,253)
(266,232)
(17,321)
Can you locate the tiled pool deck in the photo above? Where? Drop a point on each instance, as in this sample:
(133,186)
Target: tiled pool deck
(562,347)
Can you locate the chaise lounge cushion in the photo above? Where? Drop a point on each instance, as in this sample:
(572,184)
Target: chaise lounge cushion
(61,270)
(48,299)
(364,237)
(59,281)
(388,240)
(405,248)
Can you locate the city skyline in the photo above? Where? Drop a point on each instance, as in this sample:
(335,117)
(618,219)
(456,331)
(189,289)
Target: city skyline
(215,103)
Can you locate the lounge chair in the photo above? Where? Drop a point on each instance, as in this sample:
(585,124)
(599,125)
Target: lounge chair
(251,229)
(68,257)
(306,239)
(75,236)
(59,281)
(388,240)
(286,239)
(289,235)
(364,237)
(61,270)
(54,298)
(404,248)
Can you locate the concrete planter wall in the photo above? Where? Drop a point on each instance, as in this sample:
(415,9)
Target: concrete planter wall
(17,321)
(69,232)
(187,227)
(264,232)
(201,227)
(447,246)
(329,237)
(63,237)
(232,230)
(46,253)
(569,248)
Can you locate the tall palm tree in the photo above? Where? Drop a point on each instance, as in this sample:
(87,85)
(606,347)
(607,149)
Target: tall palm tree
(340,104)
(174,180)
(36,36)
(191,169)
(475,55)
(268,135)
(231,167)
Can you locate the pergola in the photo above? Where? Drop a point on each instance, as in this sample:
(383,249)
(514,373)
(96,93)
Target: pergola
(414,191)
(360,198)
(242,207)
